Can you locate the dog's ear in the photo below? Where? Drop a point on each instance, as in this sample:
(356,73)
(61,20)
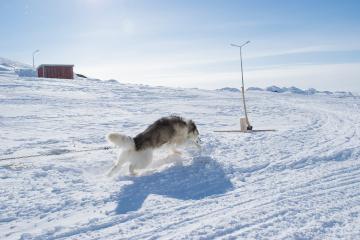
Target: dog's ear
(191,126)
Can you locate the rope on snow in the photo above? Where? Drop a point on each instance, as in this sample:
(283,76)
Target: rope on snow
(56,153)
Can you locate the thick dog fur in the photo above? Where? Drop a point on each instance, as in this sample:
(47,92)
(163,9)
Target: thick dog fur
(138,151)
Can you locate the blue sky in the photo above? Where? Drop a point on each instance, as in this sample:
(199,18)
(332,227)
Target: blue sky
(187,43)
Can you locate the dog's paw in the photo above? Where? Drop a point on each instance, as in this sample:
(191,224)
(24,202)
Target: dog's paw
(177,152)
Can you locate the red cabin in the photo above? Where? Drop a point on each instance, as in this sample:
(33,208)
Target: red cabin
(56,71)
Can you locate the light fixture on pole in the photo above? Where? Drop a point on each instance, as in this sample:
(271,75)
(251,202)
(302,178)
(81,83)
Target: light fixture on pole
(245,126)
(33,56)
(248,125)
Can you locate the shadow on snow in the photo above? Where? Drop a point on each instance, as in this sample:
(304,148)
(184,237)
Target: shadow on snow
(203,178)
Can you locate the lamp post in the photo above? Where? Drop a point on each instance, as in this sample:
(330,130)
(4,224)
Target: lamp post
(33,56)
(249,127)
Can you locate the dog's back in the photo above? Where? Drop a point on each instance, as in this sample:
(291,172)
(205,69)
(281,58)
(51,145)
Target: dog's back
(160,132)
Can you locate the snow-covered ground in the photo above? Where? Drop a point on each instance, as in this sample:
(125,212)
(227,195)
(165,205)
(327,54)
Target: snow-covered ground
(300,182)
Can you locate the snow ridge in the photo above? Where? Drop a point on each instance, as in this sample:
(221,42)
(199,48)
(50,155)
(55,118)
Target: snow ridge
(310,91)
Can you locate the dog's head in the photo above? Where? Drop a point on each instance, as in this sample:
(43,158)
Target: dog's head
(193,132)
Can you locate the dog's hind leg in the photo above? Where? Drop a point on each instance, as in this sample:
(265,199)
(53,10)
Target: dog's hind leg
(140,160)
(121,160)
(131,170)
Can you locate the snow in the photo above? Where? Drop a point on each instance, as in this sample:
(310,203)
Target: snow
(12,64)
(296,90)
(8,66)
(229,89)
(300,182)
(23,72)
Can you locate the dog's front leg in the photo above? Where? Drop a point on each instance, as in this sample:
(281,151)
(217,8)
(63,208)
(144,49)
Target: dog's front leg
(114,169)
(175,151)
(197,143)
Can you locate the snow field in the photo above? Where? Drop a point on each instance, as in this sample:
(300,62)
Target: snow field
(300,182)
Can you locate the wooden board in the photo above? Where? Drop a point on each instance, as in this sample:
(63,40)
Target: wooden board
(248,131)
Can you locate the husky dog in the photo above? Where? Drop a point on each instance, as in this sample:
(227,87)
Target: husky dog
(173,131)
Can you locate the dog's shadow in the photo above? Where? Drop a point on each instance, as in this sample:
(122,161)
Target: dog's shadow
(203,178)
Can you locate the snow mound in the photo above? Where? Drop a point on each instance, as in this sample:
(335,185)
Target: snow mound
(286,90)
(254,89)
(295,90)
(16,68)
(228,89)
(7,63)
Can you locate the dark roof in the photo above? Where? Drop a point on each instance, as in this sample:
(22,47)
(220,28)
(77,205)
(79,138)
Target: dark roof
(55,65)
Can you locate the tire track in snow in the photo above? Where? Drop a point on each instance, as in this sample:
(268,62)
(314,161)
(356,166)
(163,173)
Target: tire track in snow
(327,122)
(322,124)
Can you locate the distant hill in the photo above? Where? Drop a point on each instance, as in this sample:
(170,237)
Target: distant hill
(7,64)
(296,90)
(228,89)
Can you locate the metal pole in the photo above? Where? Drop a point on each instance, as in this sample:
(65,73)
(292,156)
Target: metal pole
(249,127)
(33,55)
(243,90)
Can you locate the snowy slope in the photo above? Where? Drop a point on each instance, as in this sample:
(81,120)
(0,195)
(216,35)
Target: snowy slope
(7,63)
(10,67)
(300,182)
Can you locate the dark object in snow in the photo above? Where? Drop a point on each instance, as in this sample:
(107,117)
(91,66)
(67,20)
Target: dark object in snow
(80,75)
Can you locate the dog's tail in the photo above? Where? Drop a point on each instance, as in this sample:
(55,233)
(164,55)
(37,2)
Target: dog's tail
(121,140)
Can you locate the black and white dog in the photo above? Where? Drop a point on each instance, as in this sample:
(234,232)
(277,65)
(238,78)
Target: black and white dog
(138,151)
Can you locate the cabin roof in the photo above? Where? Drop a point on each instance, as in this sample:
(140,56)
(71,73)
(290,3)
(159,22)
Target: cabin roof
(55,65)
